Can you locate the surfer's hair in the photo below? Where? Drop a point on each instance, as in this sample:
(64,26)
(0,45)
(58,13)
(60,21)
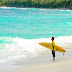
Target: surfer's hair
(53,38)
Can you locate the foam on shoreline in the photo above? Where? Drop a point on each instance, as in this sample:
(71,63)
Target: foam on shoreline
(13,48)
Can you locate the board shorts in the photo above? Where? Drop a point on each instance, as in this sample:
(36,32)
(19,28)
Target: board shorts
(53,53)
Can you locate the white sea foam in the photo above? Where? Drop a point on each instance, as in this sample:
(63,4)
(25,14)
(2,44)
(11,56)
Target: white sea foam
(23,8)
(14,48)
(43,9)
(62,10)
(4,7)
(66,10)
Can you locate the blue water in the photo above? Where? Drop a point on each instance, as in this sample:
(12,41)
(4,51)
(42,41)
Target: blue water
(35,23)
(21,29)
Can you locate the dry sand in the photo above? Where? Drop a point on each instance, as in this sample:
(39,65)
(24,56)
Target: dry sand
(63,66)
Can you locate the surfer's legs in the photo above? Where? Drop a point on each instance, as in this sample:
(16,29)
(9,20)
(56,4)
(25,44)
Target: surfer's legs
(53,58)
(53,53)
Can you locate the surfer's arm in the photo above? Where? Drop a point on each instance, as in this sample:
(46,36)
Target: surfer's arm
(53,44)
(53,48)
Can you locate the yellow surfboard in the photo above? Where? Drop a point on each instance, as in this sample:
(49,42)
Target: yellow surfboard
(48,45)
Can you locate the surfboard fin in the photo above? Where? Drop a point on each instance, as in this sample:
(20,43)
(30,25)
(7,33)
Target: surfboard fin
(63,53)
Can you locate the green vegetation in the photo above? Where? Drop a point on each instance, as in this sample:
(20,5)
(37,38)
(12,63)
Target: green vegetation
(37,3)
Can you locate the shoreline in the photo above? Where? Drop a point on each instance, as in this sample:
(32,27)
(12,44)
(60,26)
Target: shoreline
(40,63)
(38,8)
(36,49)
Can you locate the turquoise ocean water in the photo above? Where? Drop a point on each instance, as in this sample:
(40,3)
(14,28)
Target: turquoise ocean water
(20,28)
(35,23)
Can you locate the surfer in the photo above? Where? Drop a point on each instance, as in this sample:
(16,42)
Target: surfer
(53,48)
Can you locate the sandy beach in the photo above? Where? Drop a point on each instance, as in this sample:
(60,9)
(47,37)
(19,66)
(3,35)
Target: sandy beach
(63,66)
(43,62)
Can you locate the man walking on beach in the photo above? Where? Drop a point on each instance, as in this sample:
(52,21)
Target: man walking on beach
(53,48)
